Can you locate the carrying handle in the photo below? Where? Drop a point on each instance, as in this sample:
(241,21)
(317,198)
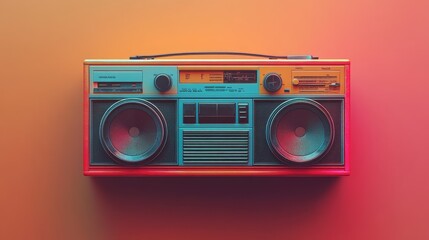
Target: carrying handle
(148,57)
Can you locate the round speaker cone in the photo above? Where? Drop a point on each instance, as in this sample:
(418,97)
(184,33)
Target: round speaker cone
(133,131)
(300,131)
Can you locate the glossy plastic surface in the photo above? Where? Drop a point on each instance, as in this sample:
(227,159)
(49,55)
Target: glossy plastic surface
(155,67)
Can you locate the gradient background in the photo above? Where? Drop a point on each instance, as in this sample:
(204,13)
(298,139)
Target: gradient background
(45,196)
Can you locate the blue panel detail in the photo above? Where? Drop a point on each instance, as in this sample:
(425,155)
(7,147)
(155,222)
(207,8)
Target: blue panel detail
(218,89)
(123,74)
(216,125)
(224,90)
(142,74)
(149,74)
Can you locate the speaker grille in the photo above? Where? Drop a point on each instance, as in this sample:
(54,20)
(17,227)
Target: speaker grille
(215,147)
(300,131)
(133,131)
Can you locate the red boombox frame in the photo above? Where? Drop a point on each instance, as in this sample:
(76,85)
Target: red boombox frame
(149,170)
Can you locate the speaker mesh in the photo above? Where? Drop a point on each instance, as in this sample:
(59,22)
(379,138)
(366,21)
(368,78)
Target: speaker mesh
(300,131)
(133,131)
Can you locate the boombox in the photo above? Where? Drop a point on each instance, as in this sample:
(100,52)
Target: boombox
(216,117)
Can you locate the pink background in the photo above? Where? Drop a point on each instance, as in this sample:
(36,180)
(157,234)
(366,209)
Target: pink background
(45,196)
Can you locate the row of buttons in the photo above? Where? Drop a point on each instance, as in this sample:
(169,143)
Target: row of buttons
(243,113)
(215,113)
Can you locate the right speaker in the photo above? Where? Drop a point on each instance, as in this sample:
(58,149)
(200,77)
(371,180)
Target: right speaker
(299,131)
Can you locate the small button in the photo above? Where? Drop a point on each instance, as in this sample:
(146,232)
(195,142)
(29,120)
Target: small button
(207,109)
(226,109)
(226,112)
(207,113)
(189,112)
(243,111)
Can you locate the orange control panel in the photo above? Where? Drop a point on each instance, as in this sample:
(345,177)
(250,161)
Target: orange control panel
(302,80)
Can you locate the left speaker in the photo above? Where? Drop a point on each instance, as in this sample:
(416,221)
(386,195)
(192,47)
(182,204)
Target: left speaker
(133,131)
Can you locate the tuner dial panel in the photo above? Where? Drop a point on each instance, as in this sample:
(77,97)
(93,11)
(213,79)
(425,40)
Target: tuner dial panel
(293,80)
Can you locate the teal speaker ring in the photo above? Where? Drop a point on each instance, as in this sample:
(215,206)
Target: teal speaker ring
(133,131)
(300,131)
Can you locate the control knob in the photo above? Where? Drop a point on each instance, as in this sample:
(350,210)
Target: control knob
(162,82)
(272,82)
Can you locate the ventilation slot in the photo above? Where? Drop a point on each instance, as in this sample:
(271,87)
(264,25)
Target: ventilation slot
(215,147)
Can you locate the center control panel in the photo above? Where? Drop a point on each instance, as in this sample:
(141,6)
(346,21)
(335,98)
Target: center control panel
(206,113)
(215,131)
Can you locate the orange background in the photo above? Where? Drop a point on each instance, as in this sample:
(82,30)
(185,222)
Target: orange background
(45,196)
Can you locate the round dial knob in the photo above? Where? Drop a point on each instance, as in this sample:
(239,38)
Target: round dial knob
(162,82)
(295,81)
(272,82)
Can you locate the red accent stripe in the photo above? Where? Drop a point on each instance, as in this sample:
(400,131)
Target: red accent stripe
(347,120)
(215,171)
(85,119)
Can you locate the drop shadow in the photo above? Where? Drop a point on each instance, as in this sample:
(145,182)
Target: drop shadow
(151,203)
